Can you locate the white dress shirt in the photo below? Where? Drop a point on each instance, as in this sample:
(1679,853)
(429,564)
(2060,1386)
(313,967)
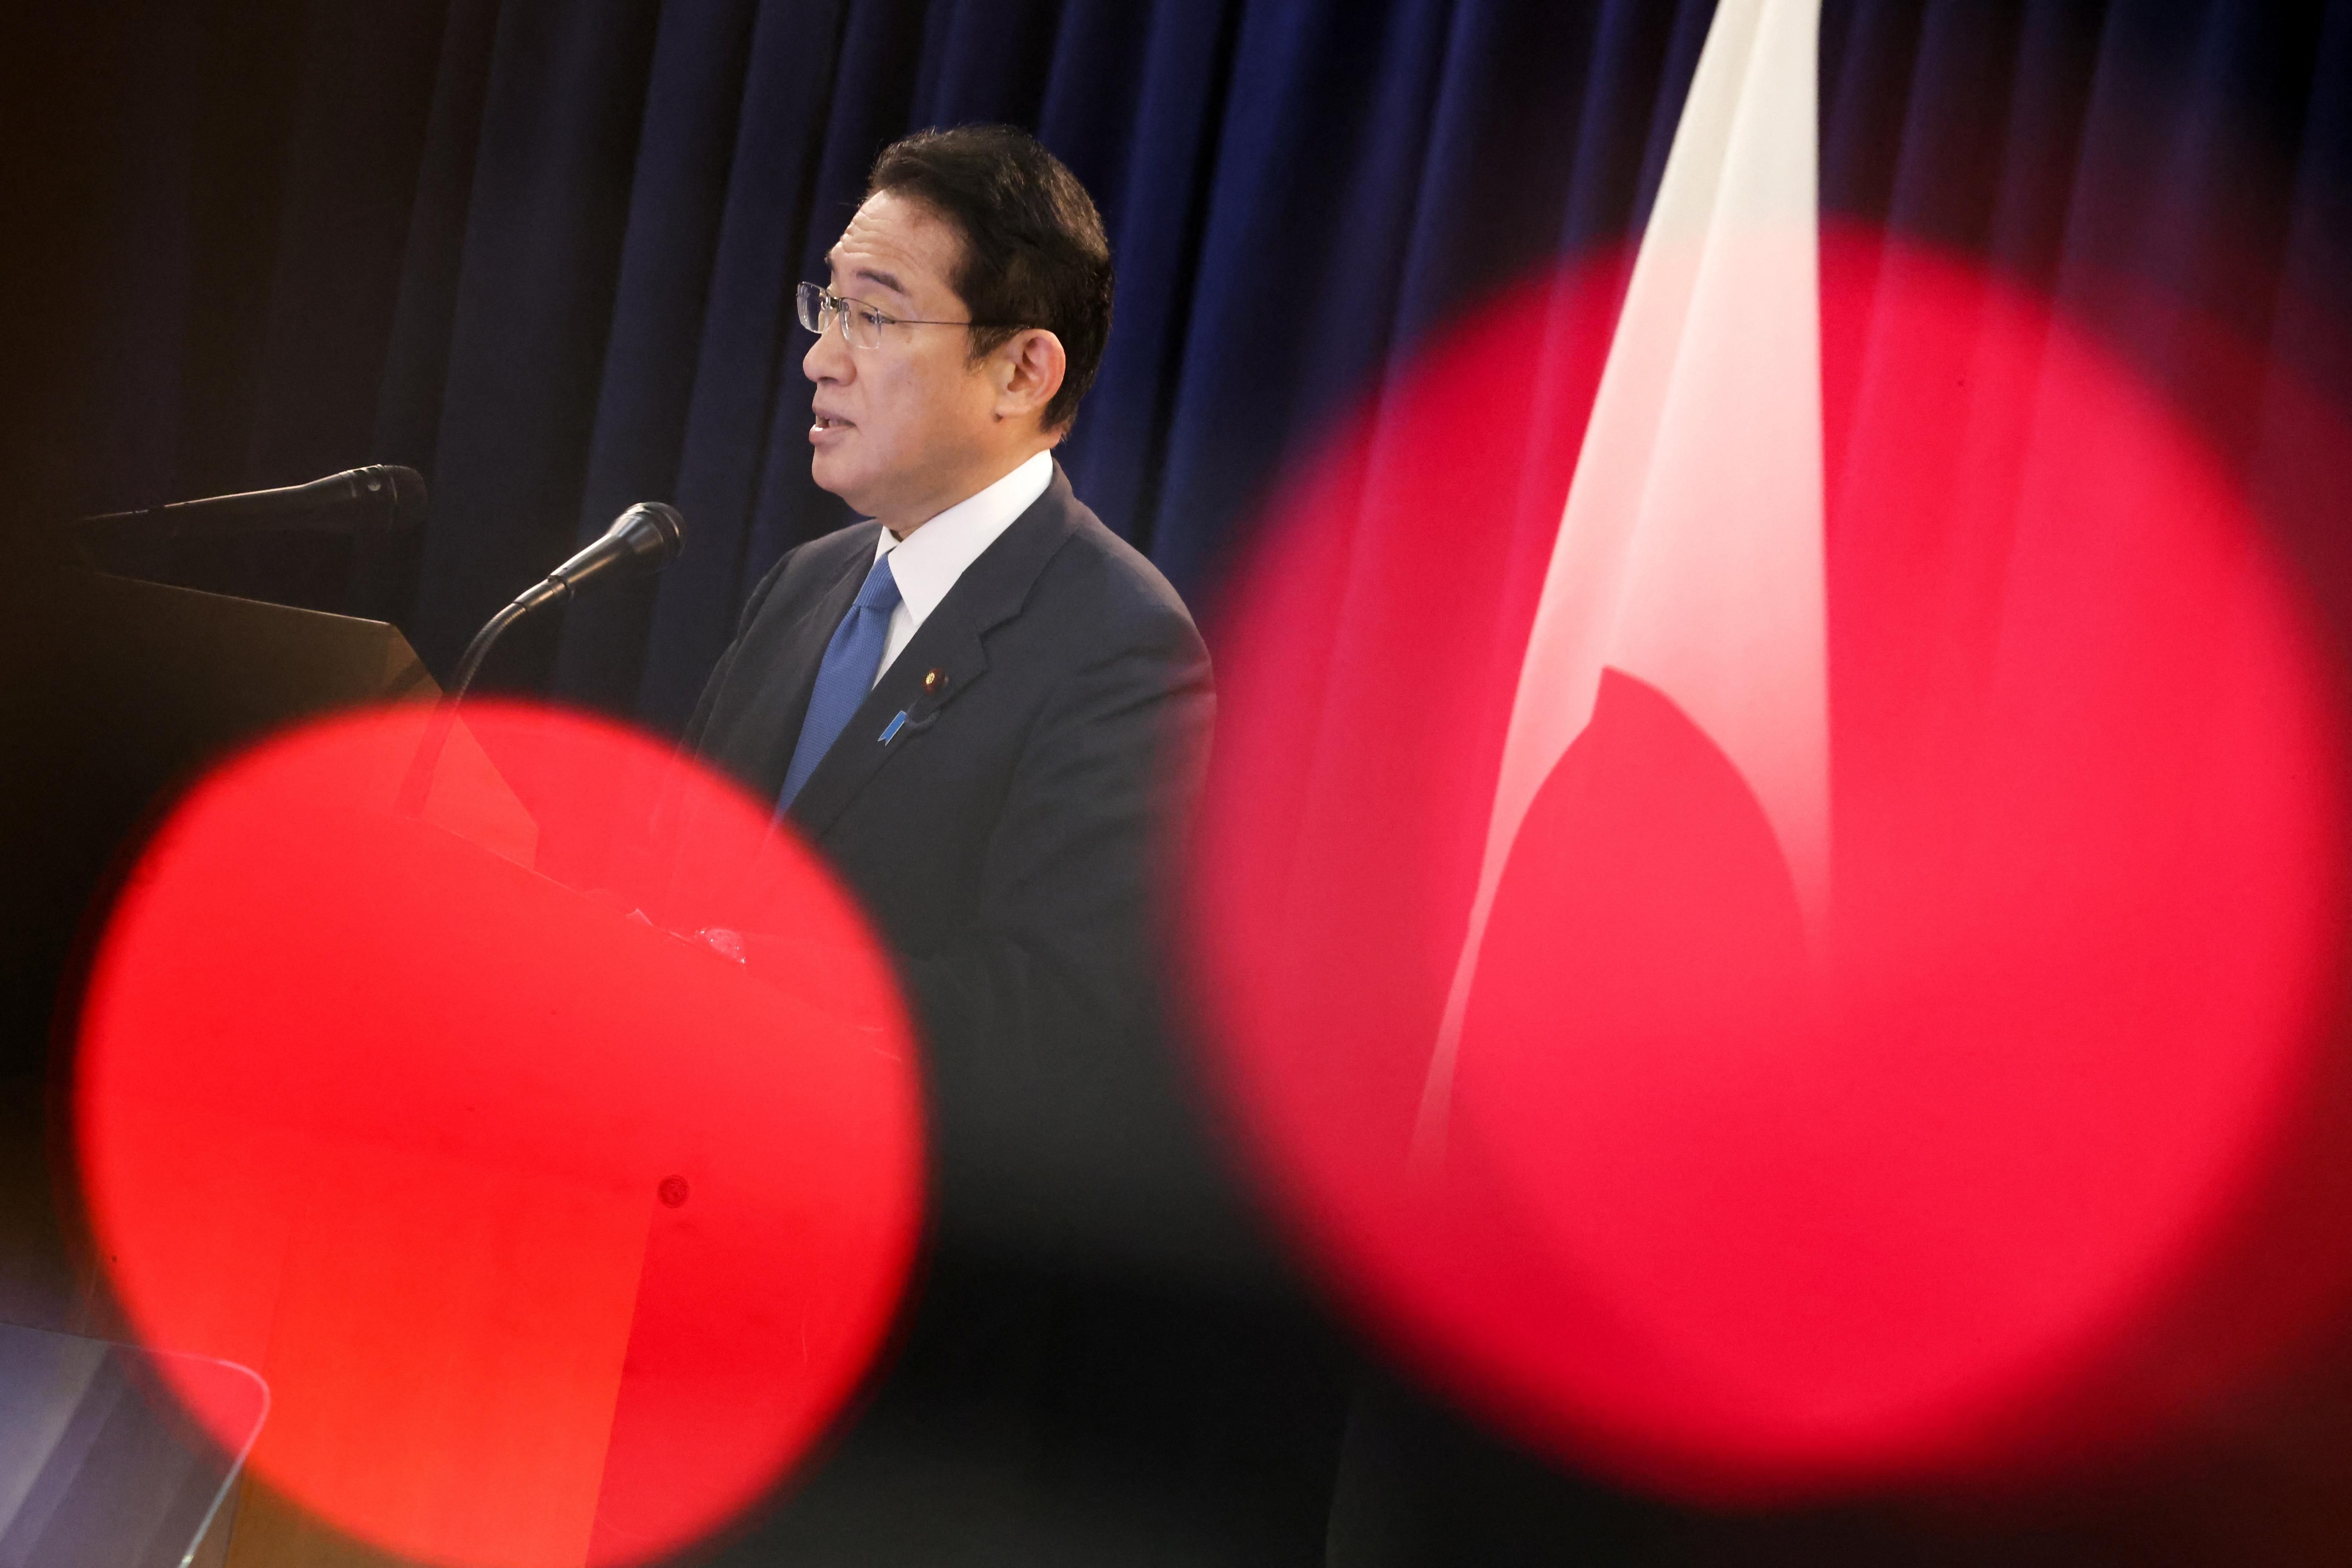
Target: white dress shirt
(927,563)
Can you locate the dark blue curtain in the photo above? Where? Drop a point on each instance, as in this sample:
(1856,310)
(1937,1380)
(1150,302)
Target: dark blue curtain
(544,252)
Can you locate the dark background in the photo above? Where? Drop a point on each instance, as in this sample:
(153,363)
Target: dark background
(543,251)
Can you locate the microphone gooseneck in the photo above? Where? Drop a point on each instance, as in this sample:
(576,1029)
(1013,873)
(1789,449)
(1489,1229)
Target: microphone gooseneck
(641,542)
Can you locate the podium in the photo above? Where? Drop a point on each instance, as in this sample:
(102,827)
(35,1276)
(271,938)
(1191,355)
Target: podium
(604,1227)
(115,694)
(118,689)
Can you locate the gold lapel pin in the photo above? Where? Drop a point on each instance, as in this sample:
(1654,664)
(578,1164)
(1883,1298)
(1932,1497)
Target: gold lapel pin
(933,680)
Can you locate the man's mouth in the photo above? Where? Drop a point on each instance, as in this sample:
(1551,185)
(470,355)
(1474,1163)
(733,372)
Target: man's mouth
(824,425)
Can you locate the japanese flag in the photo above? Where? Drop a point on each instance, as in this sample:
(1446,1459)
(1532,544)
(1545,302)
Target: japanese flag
(1690,555)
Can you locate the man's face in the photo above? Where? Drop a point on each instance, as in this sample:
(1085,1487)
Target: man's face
(907,429)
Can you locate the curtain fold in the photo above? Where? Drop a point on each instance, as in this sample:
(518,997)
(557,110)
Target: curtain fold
(545,222)
(693,119)
(741,351)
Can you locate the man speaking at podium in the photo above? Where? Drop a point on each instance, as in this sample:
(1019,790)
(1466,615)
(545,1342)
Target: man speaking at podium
(978,704)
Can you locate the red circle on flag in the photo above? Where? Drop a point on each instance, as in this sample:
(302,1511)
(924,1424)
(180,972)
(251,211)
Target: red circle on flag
(555,1236)
(2021,1152)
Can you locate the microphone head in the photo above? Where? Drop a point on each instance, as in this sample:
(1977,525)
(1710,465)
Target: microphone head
(400,491)
(641,542)
(380,500)
(650,534)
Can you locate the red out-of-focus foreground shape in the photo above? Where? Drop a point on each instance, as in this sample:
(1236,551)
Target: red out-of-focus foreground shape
(557,1237)
(2035,1149)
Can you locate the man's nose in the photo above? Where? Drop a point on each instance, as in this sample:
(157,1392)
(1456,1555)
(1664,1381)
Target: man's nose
(828,357)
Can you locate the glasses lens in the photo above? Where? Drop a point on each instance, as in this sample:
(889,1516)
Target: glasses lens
(863,327)
(812,299)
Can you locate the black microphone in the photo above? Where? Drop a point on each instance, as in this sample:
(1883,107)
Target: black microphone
(372,502)
(642,541)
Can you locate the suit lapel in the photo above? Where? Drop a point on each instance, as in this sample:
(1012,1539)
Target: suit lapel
(950,642)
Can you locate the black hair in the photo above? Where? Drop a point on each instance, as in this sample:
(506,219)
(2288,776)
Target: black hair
(1034,254)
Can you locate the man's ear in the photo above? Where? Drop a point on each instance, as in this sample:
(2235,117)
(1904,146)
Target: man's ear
(1029,368)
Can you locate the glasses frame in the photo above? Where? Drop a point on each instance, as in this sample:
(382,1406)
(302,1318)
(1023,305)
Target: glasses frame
(817,302)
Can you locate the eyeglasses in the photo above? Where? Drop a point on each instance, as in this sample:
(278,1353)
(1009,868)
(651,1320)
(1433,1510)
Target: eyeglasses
(861,323)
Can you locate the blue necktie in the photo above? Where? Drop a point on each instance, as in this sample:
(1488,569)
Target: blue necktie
(846,675)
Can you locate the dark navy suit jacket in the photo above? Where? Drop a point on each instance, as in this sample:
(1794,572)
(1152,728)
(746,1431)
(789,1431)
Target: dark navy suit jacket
(1006,840)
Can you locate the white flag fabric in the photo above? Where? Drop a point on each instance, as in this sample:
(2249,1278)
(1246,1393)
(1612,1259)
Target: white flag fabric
(1690,551)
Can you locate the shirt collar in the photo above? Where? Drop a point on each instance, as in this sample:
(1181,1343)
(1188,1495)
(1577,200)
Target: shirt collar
(927,563)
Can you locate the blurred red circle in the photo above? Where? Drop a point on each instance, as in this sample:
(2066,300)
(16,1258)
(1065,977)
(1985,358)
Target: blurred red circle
(556,1236)
(2017,1166)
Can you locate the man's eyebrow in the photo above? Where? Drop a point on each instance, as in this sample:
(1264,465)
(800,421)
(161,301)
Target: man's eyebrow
(871,274)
